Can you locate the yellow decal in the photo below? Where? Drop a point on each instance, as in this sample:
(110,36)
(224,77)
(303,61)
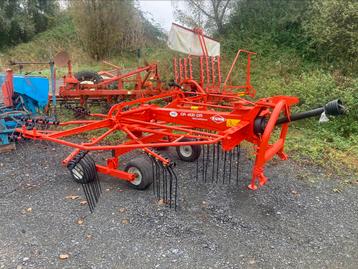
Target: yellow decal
(194,107)
(232,122)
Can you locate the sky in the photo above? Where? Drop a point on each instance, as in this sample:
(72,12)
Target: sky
(161,11)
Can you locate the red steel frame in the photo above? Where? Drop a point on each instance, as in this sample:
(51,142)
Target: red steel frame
(73,89)
(8,88)
(210,74)
(206,113)
(147,125)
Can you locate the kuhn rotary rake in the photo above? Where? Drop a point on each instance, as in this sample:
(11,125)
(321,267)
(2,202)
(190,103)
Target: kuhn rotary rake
(189,123)
(205,120)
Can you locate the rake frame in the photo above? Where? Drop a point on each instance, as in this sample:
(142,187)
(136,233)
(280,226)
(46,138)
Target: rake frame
(147,126)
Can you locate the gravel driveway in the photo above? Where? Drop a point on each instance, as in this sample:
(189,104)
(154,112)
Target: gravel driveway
(301,219)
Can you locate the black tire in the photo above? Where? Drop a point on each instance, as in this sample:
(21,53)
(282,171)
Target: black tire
(162,148)
(188,153)
(88,76)
(142,166)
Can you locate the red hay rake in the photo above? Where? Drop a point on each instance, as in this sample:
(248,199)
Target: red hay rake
(187,122)
(205,120)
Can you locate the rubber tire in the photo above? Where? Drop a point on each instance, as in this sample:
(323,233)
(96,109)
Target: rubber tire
(144,165)
(196,151)
(88,76)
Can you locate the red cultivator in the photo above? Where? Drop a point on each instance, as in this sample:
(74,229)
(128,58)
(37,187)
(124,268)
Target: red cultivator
(188,122)
(110,86)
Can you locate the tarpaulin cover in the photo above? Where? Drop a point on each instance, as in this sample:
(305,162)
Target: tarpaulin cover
(186,41)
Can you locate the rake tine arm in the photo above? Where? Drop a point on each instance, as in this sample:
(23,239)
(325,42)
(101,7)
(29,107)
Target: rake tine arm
(85,128)
(101,137)
(152,153)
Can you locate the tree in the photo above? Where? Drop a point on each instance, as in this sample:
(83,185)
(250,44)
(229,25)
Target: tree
(208,14)
(107,27)
(332,27)
(42,13)
(20,20)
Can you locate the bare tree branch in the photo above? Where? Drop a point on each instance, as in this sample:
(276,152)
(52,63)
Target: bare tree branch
(199,7)
(224,10)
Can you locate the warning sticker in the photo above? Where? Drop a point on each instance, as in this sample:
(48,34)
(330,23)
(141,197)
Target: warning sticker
(232,122)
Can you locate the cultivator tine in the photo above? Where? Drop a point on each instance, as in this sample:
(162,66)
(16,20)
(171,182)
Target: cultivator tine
(83,170)
(78,111)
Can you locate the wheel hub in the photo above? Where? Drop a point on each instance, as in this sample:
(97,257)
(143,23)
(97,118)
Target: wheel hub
(138,178)
(186,151)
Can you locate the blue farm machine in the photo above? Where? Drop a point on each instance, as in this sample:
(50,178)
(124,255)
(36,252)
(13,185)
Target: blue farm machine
(23,101)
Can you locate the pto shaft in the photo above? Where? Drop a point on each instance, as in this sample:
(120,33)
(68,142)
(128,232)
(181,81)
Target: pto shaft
(332,108)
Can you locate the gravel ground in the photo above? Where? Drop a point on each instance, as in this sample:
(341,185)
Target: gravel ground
(299,220)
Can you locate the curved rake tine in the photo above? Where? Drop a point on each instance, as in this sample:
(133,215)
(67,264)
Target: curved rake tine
(164,183)
(176,188)
(96,183)
(91,194)
(213,170)
(153,173)
(197,169)
(203,165)
(224,167)
(218,163)
(170,172)
(207,161)
(230,164)
(90,184)
(238,148)
(157,177)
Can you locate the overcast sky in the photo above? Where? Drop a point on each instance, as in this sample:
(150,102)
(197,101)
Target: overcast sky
(161,11)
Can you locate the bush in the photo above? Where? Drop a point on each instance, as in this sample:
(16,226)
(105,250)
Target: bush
(332,27)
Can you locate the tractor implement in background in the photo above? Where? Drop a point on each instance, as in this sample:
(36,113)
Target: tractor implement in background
(201,67)
(110,86)
(25,99)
